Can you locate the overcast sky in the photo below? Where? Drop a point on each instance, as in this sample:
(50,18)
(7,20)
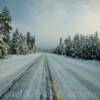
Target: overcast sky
(52,19)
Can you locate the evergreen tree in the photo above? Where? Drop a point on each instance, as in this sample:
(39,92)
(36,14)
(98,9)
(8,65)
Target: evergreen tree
(3,46)
(75,45)
(21,43)
(87,47)
(5,24)
(15,42)
(60,47)
(29,40)
(33,43)
(68,46)
(5,27)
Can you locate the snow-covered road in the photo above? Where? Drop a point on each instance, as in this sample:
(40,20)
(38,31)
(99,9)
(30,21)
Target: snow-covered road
(53,77)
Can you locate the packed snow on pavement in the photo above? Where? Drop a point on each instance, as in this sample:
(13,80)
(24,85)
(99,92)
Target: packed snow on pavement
(12,67)
(77,79)
(54,77)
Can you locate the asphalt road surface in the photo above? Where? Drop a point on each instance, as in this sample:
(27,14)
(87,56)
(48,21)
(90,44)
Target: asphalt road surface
(53,77)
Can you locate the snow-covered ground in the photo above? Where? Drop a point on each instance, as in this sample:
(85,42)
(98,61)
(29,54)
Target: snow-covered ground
(77,79)
(67,78)
(11,68)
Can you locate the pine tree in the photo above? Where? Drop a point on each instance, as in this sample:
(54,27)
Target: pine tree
(86,47)
(3,46)
(33,43)
(76,44)
(23,49)
(61,46)
(15,42)
(94,45)
(5,27)
(5,24)
(29,40)
(68,46)
(21,43)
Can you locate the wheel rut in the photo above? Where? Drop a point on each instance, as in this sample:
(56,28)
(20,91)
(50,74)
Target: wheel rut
(49,84)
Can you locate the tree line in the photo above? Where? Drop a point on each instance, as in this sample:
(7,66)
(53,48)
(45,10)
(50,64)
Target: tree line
(86,47)
(16,42)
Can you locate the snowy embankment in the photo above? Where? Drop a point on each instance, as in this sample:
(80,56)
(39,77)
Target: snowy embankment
(11,68)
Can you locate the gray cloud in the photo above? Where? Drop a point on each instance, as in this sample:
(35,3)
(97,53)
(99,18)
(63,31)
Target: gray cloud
(52,19)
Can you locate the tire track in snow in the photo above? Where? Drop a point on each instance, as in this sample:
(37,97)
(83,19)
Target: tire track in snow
(58,76)
(90,86)
(52,91)
(14,82)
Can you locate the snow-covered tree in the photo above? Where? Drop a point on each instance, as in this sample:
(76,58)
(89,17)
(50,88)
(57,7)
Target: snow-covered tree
(21,42)
(76,45)
(5,23)
(15,42)
(5,27)
(29,40)
(33,43)
(60,47)
(68,46)
(23,49)
(3,46)
(94,46)
(87,47)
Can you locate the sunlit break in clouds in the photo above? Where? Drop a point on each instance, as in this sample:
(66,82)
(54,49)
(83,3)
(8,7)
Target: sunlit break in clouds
(51,19)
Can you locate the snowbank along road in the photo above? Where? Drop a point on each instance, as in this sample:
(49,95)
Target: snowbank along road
(53,77)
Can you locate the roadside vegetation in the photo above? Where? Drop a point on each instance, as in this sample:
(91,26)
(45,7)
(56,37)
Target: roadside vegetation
(13,42)
(85,47)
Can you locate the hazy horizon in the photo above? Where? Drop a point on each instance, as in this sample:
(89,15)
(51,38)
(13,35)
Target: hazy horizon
(51,19)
